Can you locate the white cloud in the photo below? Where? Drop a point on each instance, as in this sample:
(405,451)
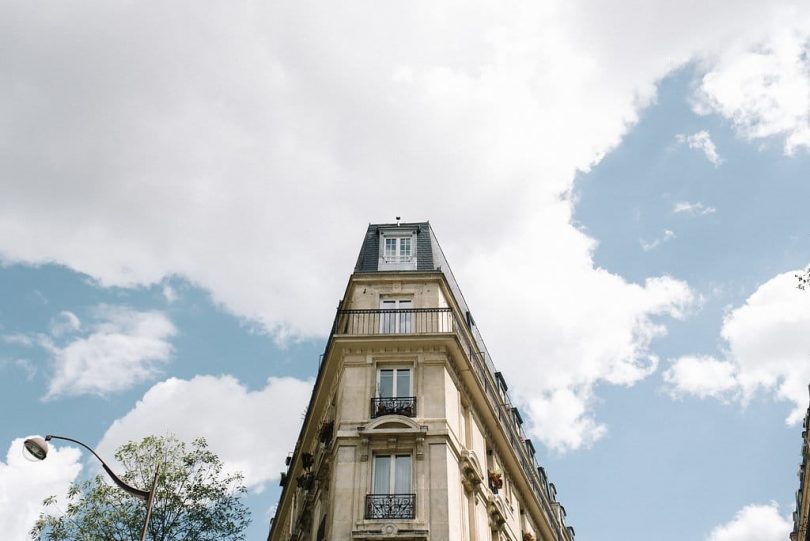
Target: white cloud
(655,243)
(247,156)
(562,417)
(66,322)
(767,350)
(169,293)
(685,207)
(24,484)
(124,347)
(251,431)
(578,327)
(754,523)
(702,141)
(24,365)
(18,339)
(701,376)
(764,91)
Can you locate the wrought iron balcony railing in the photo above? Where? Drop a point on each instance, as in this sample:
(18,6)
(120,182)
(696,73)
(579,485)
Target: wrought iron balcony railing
(390,506)
(402,321)
(401,405)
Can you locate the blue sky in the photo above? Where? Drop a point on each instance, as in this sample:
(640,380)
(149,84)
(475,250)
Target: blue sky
(184,194)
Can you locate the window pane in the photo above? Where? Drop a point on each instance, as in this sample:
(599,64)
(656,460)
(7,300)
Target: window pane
(382,474)
(388,321)
(405,247)
(403,382)
(406,317)
(402,478)
(390,247)
(386,383)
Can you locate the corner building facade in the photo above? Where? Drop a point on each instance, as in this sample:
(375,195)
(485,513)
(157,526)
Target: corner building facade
(410,433)
(801,514)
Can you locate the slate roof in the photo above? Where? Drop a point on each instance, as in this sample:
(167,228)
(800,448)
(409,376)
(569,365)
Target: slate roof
(369,253)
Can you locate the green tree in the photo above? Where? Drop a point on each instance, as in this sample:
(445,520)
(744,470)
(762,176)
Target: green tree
(804,279)
(195,500)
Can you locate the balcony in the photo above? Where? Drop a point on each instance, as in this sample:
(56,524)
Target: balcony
(401,405)
(397,506)
(388,322)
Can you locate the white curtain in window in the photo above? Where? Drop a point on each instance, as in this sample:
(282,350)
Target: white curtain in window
(402,476)
(403,382)
(382,474)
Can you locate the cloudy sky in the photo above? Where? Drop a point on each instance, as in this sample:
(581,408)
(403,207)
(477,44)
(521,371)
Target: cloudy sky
(620,188)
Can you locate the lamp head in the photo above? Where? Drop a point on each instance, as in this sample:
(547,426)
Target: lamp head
(35,448)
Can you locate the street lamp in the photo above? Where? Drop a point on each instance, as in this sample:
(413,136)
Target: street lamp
(36,448)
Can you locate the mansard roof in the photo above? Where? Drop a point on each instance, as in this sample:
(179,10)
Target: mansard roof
(426,246)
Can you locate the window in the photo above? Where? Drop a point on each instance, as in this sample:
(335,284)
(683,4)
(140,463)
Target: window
(397,249)
(394,382)
(397,316)
(392,474)
(394,393)
(391,488)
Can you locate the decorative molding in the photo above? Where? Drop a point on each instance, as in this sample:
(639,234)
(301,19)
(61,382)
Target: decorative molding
(470,467)
(362,450)
(420,447)
(496,513)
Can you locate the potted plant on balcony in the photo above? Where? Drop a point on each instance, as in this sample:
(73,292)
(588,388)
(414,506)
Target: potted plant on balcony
(527,536)
(495,480)
(306,481)
(325,432)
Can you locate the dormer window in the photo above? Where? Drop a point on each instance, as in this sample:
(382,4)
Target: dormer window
(397,249)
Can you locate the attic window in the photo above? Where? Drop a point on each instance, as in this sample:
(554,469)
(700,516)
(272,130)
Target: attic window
(397,249)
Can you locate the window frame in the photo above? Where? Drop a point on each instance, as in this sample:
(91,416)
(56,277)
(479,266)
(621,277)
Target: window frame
(396,322)
(392,472)
(394,380)
(398,249)
(398,244)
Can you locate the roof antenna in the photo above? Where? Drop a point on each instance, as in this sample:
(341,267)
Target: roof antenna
(398,218)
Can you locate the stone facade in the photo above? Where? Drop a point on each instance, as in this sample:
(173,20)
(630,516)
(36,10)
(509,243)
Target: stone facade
(409,433)
(801,515)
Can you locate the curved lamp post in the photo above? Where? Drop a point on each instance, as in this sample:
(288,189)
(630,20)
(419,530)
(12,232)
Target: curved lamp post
(37,449)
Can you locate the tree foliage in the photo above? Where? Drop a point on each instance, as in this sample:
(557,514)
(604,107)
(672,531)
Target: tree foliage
(804,279)
(195,500)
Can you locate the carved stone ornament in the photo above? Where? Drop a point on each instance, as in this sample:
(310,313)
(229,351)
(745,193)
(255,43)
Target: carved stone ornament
(362,449)
(497,515)
(470,471)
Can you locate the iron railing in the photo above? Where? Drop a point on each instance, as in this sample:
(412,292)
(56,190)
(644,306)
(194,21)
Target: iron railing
(402,321)
(390,506)
(401,405)
(398,258)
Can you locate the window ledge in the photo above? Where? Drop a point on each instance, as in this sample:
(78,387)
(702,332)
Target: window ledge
(372,530)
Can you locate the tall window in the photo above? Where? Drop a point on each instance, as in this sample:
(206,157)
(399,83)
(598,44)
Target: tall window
(392,474)
(399,321)
(394,393)
(394,382)
(391,496)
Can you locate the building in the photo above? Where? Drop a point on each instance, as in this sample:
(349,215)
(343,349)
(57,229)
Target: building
(801,532)
(410,433)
